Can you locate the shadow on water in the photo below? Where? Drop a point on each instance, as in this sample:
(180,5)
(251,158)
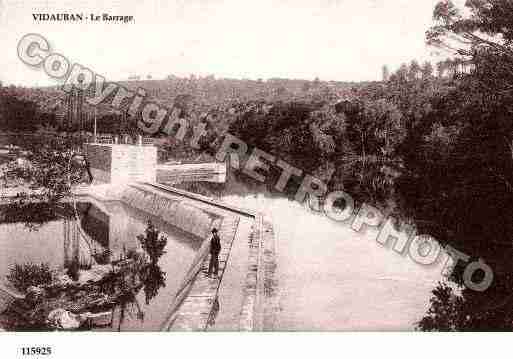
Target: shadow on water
(33,214)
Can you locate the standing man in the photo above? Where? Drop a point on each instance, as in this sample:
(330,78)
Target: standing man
(215,248)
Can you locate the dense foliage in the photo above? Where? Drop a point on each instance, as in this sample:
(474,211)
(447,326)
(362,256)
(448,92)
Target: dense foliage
(49,163)
(463,186)
(22,276)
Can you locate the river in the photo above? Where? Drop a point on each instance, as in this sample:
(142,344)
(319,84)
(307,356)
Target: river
(333,278)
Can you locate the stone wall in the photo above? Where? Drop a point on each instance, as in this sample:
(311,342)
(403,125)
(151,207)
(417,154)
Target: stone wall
(260,303)
(268,262)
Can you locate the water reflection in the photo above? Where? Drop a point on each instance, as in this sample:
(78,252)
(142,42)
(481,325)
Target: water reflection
(154,279)
(87,240)
(153,276)
(126,308)
(111,288)
(213,314)
(145,273)
(33,214)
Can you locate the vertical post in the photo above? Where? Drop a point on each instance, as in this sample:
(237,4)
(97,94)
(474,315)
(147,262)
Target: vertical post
(95,138)
(80,115)
(69,116)
(65,227)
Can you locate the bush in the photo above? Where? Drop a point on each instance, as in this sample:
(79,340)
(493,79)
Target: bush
(151,243)
(22,276)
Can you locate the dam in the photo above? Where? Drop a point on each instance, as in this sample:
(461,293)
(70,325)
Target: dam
(101,223)
(282,267)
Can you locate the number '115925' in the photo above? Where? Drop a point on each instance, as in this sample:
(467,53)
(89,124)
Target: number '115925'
(36,350)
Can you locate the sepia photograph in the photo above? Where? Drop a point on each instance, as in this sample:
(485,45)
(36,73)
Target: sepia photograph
(255,166)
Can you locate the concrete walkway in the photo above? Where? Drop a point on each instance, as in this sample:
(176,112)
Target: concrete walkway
(197,309)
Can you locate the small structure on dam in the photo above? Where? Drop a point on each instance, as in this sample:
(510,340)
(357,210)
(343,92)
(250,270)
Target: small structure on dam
(121,163)
(124,163)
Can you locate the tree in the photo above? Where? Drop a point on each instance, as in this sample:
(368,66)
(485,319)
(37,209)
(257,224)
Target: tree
(427,70)
(464,167)
(450,66)
(305,87)
(440,69)
(486,24)
(375,133)
(281,90)
(385,73)
(18,114)
(401,74)
(414,71)
(382,125)
(51,166)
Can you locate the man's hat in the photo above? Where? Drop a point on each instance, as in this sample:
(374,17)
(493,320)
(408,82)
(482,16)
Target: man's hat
(214,230)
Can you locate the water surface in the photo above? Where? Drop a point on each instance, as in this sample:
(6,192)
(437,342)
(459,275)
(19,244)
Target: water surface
(332,278)
(110,228)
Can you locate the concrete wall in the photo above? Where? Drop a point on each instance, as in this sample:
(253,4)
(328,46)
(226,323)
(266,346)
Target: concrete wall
(113,163)
(100,161)
(134,163)
(206,172)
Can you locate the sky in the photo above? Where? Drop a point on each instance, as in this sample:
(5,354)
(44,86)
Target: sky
(342,40)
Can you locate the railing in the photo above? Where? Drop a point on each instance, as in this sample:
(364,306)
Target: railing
(186,284)
(148,141)
(104,139)
(124,139)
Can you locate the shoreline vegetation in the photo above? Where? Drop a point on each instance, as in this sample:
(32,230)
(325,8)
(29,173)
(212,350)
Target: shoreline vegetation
(83,296)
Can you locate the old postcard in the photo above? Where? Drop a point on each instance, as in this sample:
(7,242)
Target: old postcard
(256,166)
